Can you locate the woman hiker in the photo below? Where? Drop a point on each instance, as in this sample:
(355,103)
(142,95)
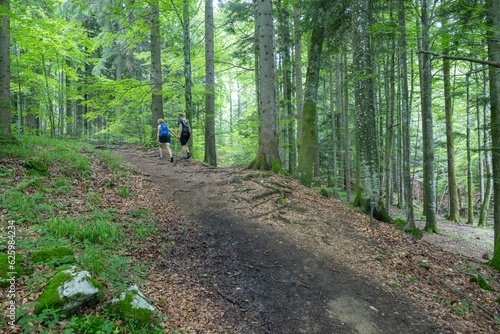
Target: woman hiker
(184,135)
(163,137)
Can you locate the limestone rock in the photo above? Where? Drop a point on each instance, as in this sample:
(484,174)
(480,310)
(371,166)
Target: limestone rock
(132,305)
(69,290)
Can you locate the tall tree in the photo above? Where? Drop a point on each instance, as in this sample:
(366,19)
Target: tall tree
(268,155)
(368,191)
(486,147)
(408,187)
(156,81)
(450,145)
(493,21)
(427,127)
(5,69)
(470,201)
(299,96)
(210,153)
(333,125)
(309,116)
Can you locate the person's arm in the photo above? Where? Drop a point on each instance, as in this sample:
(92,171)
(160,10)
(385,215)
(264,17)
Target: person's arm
(180,129)
(158,134)
(172,131)
(190,133)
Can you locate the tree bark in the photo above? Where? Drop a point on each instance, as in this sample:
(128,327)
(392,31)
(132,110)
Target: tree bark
(156,81)
(5,72)
(406,114)
(470,201)
(427,127)
(333,125)
(309,116)
(69,102)
(453,214)
(486,146)
(299,96)
(368,191)
(287,90)
(347,144)
(187,67)
(210,153)
(493,21)
(268,155)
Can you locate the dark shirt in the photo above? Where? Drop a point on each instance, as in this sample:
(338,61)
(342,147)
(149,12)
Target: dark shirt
(184,128)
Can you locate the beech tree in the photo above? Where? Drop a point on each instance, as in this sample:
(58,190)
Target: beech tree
(210,153)
(268,155)
(156,81)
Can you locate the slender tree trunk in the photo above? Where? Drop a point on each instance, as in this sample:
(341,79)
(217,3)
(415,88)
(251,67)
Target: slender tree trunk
(479,149)
(187,67)
(309,135)
(470,201)
(406,115)
(299,96)
(453,214)
(334,134)
(483,215)
(5,72)
(493,21)
(427,127)
(210,153)
(347,144)
(287,90)
(268,155)
(156,81)
(388,137)
(69,102)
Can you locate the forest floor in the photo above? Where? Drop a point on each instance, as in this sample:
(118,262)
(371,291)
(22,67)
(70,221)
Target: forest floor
(259,253)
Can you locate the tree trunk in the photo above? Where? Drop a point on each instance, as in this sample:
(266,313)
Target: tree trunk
(406,114)
(309,117)
(427,127)
(333,124)
(483,215)
(470,201)
(368,191)
(156,81)
(299,96)
(187,67)
(69,102)
(347,144)
(268,155)
(5,72)
(453,214)
(479,150)
(287,91)
(210,153)
(493,21)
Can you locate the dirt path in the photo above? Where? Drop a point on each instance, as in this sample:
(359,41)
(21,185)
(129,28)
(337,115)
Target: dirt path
(272,274)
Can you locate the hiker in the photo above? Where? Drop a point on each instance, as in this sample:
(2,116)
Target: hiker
(163,137)
(184,135)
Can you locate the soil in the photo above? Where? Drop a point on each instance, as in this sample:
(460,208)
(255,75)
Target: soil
(259,253)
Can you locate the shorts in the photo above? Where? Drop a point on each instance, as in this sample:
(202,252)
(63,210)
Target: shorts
(184,139)
(164,140)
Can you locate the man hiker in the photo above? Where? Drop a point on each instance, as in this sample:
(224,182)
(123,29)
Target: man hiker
(184,135)
(163,137)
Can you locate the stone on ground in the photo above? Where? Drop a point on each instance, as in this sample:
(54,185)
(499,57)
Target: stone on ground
(132,305)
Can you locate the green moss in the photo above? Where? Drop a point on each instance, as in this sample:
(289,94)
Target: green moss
(498,299)
(400,221)
(126,311)
(52,253)
(495,260)
(482,283)
(37,166)
(3,246)
(50,296)
(265,174)
(394,285)
(276,166)
(6,267)
(324,192)
(247,177)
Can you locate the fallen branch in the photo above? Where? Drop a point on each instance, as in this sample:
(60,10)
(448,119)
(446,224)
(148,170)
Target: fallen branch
(473,60)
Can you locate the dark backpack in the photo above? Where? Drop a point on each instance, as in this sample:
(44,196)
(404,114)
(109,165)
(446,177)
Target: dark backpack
(164,130)
(185,127)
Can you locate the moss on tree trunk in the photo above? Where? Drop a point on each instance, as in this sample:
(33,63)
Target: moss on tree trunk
(379,212)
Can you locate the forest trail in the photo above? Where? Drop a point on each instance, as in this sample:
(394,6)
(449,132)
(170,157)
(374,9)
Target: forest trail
(275,257)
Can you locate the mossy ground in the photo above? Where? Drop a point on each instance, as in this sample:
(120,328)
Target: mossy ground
(53,253)
(5,268)
(50,296)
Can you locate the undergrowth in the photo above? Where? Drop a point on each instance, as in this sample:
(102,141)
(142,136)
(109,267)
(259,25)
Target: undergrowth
(42,205)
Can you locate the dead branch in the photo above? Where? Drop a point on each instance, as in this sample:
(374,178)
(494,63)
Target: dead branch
(473,60)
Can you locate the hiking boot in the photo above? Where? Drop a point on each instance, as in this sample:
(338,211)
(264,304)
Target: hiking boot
(183,158)
(171,159)
(160,157)
(188,155)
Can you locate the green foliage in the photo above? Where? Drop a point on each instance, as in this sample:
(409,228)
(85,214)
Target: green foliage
(11,264)
(92,325)
(98,231)
(482,283)
(61,255)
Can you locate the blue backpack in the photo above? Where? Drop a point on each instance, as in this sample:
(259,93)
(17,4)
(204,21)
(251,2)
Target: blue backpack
(164,130)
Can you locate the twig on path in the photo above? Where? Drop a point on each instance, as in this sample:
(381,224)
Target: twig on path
(388,292)
(231,299)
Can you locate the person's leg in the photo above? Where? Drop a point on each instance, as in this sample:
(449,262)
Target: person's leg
(169,150)
(161,153)
(184,148)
